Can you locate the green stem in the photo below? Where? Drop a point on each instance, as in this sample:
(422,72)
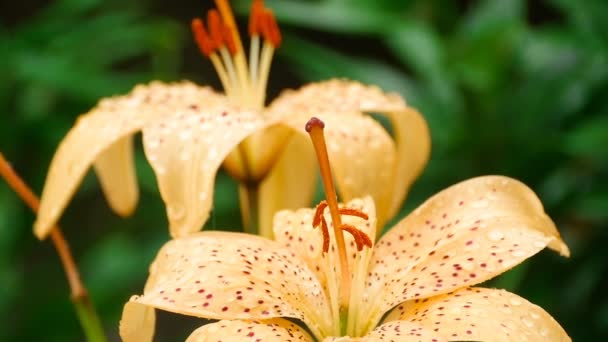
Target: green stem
(89,320)
(84,308)
(250,210)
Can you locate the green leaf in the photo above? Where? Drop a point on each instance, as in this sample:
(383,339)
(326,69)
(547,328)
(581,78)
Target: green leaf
(333,16)
(589,140)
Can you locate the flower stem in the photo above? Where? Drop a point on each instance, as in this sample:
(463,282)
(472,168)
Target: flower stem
(250,209)
(84,308)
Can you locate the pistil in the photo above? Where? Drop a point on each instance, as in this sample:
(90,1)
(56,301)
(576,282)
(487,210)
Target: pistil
(314,127)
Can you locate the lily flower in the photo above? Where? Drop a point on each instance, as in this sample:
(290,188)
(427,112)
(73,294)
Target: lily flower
(415,283)
(189,131)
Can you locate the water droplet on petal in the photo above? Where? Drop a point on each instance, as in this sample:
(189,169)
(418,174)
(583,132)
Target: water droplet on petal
(495,235)
(483,203)
(515,302)
(528,323)
(518,253)
(175,212)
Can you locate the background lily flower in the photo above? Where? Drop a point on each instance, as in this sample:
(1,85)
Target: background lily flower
(190,131)
(420,272)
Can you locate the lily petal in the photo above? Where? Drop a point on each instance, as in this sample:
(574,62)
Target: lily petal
(187,148)
(413,152)
(115,169)
(290,184)
(236,331)
(137,322)
(395,331)
(337,98)
(103,135)
(478,314)
(462,236)
(221,275)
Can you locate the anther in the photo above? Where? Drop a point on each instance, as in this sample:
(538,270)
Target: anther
(215,27)
(202,37)
(271,29)
(361,239)
(257,9)
(229,40)
(353,212)
(319,213)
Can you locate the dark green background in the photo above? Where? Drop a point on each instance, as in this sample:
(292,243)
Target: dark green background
(509,87)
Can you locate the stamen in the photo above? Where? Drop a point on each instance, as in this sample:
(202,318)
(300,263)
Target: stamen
(319,213)
(353,212)
(208,48)
(257,8)
(270,29)
(361,239)
(325,231)
(228,18)
(215,27)
(229,40)
(240,63)
(202,37)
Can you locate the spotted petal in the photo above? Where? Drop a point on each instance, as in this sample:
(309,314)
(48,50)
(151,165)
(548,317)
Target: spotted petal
(242,331)
(394,331)
(187,148)
(222,275)
(102,136)
(365,162)
(462,236)
(478,314)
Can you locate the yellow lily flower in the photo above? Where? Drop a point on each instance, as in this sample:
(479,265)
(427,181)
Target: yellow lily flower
(420,273)
(189,131)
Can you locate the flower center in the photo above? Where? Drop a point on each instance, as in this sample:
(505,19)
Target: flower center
(243,81)
(315,127)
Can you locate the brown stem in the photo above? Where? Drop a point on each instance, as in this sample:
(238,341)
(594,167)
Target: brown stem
(63,249)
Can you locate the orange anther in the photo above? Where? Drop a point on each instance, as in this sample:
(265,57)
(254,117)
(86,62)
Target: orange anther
(201,37)
(270,28)
(274,34)
(361,239)
(353,212)
(319,213)
(325,231)
(215,27)
(229,39)
(257,9)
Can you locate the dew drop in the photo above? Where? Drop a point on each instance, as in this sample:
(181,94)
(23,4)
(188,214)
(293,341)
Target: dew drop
(495,235)
(515,302)
(483,203)
(528,323)
(175,212)
(185,135)
(543,332)
(518,253)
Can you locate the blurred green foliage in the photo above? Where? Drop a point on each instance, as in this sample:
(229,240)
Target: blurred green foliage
(508,87)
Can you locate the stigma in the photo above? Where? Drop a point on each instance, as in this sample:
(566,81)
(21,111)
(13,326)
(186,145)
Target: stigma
(244,80)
